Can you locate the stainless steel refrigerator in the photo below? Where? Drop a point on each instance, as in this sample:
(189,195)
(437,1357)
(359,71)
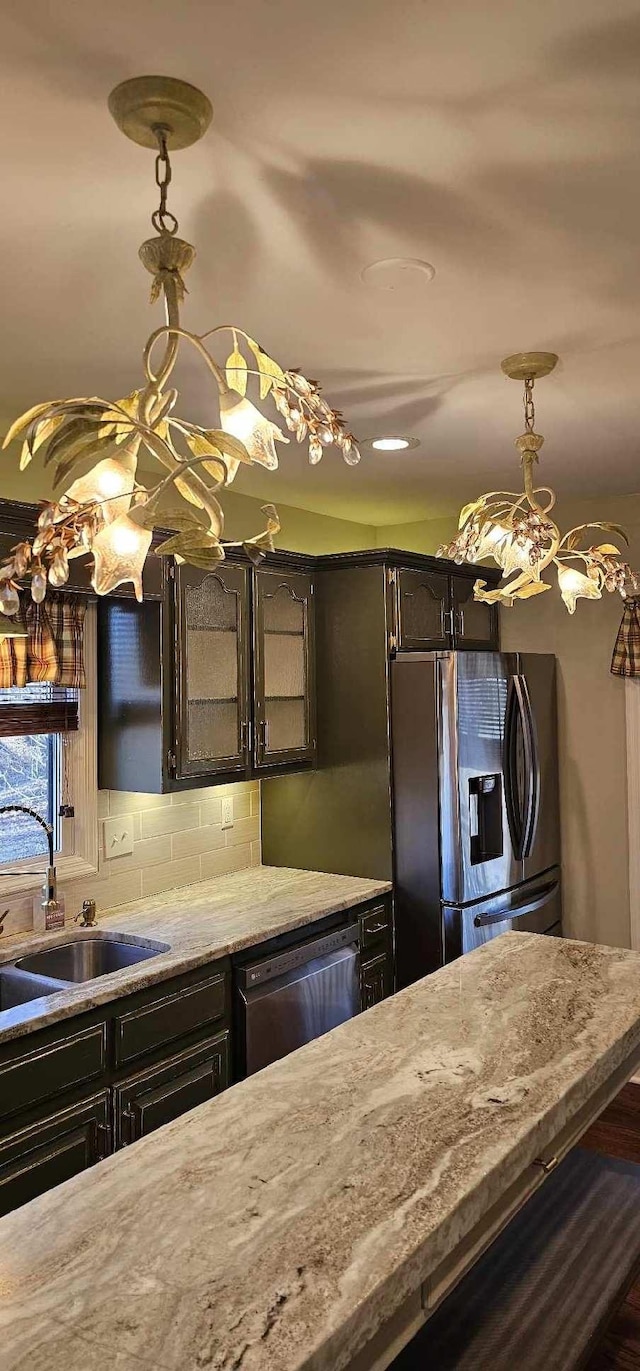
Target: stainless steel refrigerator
(475,802)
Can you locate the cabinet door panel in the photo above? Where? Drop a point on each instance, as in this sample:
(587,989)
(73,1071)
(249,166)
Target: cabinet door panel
(475,624)
(284,668)
(167,1017)
(55,1064)
(211,671)
(156,1096)
(423,611)
(375,980)
(59,1146)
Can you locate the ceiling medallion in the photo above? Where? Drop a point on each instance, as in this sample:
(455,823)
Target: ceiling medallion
(106,511)
(516,530)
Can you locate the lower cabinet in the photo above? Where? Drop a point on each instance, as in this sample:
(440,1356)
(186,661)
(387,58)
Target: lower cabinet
(161,1093)
(52,1150)
(375,979)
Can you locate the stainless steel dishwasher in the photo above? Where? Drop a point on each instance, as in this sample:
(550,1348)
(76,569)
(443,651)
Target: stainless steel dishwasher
(287,998)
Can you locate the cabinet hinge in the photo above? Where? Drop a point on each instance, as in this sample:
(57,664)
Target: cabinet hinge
(171,763)
(171,570)
(393,642)
(392,576)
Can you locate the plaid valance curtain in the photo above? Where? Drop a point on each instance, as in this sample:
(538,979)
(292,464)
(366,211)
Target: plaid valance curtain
(53,650)
(626,653)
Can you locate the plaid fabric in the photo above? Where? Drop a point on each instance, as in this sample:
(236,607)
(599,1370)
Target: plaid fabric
(626,653)
(53,650)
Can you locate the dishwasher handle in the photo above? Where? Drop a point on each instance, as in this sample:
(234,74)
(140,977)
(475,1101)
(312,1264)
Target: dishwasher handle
(267,968)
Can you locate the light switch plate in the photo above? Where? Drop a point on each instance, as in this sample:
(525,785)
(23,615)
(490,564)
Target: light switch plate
(118,837)
(227,811)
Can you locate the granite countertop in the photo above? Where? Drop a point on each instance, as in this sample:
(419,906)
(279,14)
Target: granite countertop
(278,1226)
(199,922)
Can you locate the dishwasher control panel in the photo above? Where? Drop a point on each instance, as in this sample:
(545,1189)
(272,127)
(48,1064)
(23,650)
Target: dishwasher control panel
(299,955)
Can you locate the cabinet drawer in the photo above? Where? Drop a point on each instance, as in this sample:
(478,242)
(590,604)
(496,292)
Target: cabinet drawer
(168,1017)
(375,980)
(375,927)
(59,1146)
(52,1067)
(154,1097)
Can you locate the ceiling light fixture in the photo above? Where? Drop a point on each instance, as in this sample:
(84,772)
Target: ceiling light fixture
(106,511)
(398,273)
(391,444)
(515,530)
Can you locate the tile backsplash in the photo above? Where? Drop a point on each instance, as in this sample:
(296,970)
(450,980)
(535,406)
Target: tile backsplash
(177,839)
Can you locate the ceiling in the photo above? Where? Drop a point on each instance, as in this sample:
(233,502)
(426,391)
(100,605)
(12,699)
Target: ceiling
(499,141)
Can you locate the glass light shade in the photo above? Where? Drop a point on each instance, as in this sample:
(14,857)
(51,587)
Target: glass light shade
(242,420)
(574,585)
(493,538)
(119,551)
(110,483)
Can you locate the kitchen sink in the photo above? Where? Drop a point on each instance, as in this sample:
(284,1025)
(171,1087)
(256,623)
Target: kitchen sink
(86,958)
(18,987)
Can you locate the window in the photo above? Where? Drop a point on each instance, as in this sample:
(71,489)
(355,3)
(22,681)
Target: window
(42,770)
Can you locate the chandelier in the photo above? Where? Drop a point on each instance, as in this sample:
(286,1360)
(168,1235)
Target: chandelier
(105,510)
(516,530)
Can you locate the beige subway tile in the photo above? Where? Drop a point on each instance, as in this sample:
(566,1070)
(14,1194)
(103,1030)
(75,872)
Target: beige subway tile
(226,860)
(148,852)
(211,811)
(131,801)
(103,804)
(170,874)
(158,821)
(255,800)
(196,840)
(136,827)
(106,892)
(244,831)
(256,854)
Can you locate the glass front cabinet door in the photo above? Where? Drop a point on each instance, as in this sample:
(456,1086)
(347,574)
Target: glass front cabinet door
(212,712)
(475,623)
(284,678)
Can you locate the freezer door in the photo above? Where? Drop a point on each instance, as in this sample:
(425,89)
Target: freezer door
(533,908)
(542,840)
(477,851)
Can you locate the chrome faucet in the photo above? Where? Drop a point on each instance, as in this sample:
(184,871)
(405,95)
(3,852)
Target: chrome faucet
(51,880)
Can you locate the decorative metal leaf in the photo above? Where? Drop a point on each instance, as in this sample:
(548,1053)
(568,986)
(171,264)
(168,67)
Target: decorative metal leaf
(201,446)
(227,444)
(270,372)
(533,588)
(115,424)
(473,508)
(187,493)
(22,423)
(236,370)
(607,548)
(206,561)
(273,518)
(254,553)
(194,540)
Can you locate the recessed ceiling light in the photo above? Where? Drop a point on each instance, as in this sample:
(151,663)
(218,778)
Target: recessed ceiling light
(393,444)
(398,273)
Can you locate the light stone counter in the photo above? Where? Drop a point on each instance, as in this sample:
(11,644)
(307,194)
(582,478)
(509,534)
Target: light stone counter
(278,1226)
(199,923)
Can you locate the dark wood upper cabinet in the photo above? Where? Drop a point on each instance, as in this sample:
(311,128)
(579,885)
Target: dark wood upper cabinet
(435,610)
(423,612)
(212,713)
(475,624)
(284,674)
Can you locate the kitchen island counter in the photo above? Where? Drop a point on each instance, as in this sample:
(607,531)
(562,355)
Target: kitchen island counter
(198,923)
(281,1225)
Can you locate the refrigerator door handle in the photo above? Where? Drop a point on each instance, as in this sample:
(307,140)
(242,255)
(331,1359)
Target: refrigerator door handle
(532,783)
(509,766)
(522,809)
(528,906)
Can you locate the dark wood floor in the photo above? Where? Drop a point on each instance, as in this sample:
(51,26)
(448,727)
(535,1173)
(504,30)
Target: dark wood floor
(617,1134)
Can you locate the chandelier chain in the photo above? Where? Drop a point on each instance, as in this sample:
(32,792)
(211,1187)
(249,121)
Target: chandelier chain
(529,407)
(162,219)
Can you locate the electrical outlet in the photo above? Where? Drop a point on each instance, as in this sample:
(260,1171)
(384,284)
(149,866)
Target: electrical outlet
(118,837)
(227,811)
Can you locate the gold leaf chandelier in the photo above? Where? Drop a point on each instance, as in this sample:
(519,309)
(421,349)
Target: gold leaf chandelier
(106,511)
(516,530)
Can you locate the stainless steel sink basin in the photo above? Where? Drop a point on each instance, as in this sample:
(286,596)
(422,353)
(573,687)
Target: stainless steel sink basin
(18,987)
(85,958)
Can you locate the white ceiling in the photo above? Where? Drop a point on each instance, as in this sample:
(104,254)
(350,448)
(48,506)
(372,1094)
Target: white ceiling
(498,140)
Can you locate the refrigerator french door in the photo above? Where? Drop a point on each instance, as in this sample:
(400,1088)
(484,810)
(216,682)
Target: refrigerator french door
(476,815)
